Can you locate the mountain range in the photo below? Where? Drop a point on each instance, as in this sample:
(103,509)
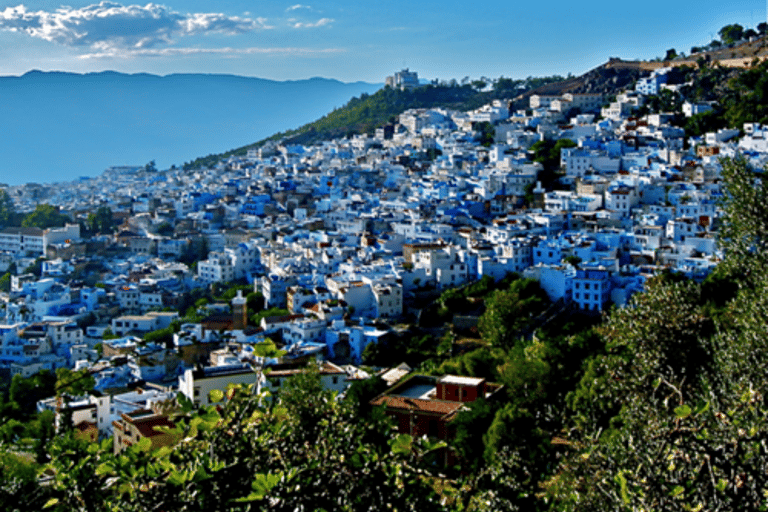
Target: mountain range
(60,126)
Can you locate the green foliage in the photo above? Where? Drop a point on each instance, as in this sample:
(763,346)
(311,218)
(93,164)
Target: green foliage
(5,282)
(7,212)
(468,426)
(255,302)
(109,335)
(482,362)
(35,268)
(509,312)
(547,153)
(101,221)
(413,348)
(45,216)
(668,418)
(699,124)
(71,382)
(163,336)
(731,33)
(486,133)
(361,392)
(256,318)
(165,229)
(303,452)
(572,260)
(24,393)
(665,102)
(741,96)
(19,490)
(744,228)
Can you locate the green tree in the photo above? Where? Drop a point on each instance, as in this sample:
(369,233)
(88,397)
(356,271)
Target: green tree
(24,393)
(101,221)
(486,133)
(45,216)
(731,33)
(7,212)
(509,312)
(246,455)
(744,229)
(77,383)
(36,267)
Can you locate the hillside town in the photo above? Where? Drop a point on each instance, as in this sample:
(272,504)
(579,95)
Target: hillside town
(348,241)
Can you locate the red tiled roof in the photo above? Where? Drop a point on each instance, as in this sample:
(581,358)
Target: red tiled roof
(418,404)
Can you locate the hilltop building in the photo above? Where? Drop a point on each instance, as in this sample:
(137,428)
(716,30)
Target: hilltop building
(403,80)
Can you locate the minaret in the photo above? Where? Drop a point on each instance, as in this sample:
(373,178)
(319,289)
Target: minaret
(239,312)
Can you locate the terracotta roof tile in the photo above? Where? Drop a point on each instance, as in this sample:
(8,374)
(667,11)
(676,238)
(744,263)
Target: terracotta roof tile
(418,404)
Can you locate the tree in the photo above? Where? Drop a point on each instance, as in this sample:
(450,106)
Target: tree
(731,33)
(45,216)
(510,311)
(101,221)
(671,54)
(35,267)
(165,229)
(250,454)
(77,383)
(486,133)
(7,211)
(744,229)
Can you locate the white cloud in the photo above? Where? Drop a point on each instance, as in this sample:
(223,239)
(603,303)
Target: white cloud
(319,23)
(227,52)
(109,25)
(298,6)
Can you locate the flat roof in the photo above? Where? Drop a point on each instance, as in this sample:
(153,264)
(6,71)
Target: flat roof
(461,381)
(417,390)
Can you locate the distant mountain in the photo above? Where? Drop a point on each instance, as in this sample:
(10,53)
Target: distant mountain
(59,126)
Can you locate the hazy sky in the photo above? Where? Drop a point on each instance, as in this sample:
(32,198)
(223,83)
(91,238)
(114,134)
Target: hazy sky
(355,40)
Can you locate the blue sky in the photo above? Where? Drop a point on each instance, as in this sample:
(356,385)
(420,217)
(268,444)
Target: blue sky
(361,40)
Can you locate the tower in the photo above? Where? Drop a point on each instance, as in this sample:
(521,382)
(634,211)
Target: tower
(239,312)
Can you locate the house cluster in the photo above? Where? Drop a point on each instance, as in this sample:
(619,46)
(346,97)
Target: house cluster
(350,236)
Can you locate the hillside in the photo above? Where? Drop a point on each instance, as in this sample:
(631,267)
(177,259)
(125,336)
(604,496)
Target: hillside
(365,113)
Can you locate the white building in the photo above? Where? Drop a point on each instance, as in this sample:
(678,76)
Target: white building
(197,384)
(403,80)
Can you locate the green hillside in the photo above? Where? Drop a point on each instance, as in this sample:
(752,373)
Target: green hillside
(365,113)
